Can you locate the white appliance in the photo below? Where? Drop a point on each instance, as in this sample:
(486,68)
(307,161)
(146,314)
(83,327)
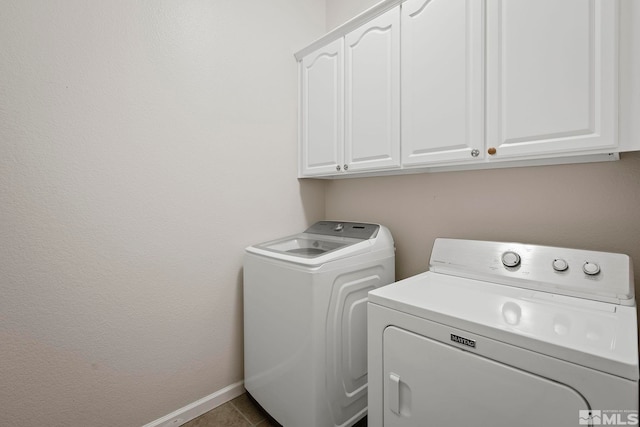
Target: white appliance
(305,317)
(505,334)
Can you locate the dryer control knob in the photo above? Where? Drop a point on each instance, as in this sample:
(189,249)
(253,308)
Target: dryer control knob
(591,268)
(510,259)
(560,265)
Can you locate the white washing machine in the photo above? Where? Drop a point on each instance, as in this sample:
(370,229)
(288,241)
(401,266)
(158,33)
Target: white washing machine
(505,334)
(305,321)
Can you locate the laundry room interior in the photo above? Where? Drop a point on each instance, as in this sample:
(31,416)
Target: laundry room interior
(125,212)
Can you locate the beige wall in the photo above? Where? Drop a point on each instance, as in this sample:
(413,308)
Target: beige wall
(340,11)
(143,146)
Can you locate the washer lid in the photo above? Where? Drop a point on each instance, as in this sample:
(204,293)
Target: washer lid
(327,241)
(594,334)
(307,245)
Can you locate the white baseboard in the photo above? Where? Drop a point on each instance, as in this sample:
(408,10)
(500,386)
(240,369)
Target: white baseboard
(199,407)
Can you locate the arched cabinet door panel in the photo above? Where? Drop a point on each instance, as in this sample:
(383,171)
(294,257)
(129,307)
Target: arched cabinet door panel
(372,94)
(321,109)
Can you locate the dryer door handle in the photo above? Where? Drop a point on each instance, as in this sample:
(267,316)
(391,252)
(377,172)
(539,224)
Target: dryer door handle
(399,396)
(394,393)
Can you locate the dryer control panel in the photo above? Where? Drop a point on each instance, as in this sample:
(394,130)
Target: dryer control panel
(600,276)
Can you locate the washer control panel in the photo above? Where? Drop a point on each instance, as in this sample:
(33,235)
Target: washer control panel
(601,276)
(353,230)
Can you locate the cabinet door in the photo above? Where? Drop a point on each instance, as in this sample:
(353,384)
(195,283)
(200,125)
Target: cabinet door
(322,116)
(372,94)
(442,81)
(551,76)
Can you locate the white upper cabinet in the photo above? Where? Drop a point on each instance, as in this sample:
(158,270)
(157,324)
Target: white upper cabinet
(459,84)
(321,110)
(372,94)
(551,76)
(442,81)
(350,101)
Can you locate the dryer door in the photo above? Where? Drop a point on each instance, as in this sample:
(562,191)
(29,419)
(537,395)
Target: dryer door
(428,383)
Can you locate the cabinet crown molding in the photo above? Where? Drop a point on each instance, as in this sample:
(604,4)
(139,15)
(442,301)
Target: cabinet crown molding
(348,26)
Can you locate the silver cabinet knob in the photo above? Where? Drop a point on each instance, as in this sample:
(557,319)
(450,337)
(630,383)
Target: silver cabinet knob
(338,168)
(346,167)
(475,152)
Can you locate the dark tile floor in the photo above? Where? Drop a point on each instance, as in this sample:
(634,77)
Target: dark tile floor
(242,411)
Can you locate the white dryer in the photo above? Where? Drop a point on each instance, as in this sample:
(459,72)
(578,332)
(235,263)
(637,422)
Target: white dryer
(505,334)
(305,321)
